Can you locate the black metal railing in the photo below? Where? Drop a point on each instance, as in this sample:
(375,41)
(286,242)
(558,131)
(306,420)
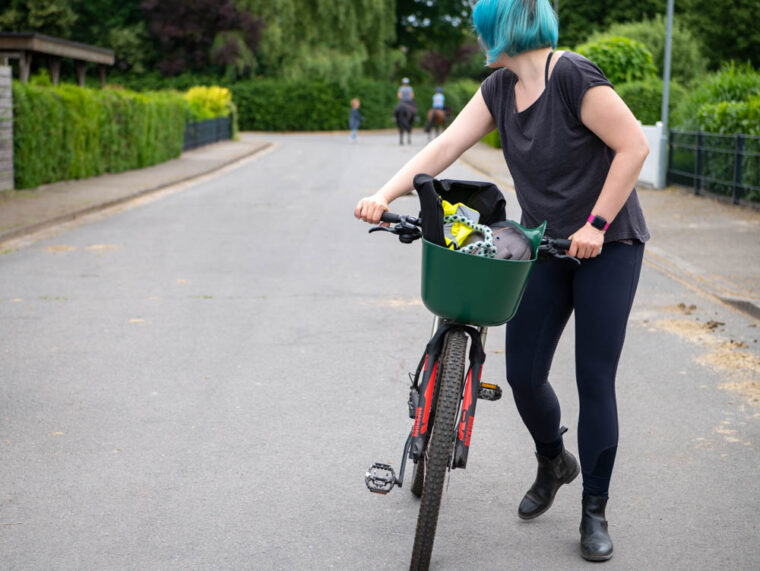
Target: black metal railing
(199,133)
(727,165)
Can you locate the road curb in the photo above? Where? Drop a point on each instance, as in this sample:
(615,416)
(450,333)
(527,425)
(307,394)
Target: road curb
(70,216)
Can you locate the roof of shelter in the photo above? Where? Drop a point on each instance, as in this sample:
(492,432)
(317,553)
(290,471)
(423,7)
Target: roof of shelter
(48,45)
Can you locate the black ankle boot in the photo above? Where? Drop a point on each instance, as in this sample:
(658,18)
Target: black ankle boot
(596,544)
(551,475)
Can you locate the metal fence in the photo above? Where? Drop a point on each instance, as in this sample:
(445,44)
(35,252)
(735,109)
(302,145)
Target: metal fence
(199,133)
(727,165)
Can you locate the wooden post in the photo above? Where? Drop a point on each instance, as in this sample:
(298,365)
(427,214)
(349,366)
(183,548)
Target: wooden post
(102,75)
(54,67)
(25,66)
(81,72)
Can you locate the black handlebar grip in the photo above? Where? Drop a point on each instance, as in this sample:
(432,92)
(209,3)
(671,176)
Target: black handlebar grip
(561,244)
(390,217)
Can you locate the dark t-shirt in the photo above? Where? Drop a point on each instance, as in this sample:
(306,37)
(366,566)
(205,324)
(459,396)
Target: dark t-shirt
(558,165)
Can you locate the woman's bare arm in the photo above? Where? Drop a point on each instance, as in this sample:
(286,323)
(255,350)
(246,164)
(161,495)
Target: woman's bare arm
(608,117)
(471,125)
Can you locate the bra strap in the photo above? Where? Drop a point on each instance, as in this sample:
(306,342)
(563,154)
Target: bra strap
(546,71)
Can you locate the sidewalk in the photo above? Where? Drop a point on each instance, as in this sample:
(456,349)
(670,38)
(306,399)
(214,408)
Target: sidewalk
(709,245)
(25,211)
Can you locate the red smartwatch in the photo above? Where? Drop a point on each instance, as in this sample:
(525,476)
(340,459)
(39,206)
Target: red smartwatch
(598,222)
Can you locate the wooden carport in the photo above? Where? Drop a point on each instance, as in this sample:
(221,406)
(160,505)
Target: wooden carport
(24,47)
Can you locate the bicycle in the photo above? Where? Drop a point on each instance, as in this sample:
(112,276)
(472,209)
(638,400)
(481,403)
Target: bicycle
(442,399)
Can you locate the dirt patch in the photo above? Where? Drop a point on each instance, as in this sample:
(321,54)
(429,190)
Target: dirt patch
(57,249)
(741,367)
(102,247)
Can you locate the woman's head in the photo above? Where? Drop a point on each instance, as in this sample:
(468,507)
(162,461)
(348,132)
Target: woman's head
(514,26)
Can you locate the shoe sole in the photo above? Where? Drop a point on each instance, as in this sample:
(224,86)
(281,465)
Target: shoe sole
(572,477)
(596,558)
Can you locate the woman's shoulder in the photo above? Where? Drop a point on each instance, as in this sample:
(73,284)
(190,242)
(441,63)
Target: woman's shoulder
(573,67)
(497,84)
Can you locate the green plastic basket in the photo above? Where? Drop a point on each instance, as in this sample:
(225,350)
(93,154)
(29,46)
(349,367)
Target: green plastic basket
(472,289)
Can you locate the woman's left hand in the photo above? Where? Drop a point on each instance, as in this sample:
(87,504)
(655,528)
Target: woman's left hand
(587,242)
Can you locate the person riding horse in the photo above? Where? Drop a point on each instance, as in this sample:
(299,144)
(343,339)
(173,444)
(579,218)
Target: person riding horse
(405,111)
(439,115)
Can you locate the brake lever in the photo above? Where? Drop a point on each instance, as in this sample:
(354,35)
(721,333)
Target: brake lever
(383,228)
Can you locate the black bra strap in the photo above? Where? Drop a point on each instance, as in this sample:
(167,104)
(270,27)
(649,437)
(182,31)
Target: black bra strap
(546,71)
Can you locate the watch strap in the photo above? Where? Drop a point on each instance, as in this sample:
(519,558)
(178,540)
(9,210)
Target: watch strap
(598,222)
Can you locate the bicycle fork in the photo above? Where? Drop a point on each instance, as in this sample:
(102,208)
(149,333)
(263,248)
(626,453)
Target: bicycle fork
(381,478)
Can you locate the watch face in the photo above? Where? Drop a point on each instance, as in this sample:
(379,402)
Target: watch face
(598,222)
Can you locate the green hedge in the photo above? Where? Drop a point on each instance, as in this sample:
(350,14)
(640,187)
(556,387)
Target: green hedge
(276,105)
(644,98)
(621,59)
(70,132)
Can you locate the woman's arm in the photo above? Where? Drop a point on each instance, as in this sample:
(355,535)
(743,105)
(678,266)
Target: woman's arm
(609,118)
(471,125)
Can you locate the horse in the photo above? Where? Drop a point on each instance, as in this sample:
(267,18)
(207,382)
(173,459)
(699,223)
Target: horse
(404,114)
(436,118)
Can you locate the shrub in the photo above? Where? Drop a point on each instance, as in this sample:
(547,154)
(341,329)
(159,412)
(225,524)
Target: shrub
(208,102)
(621,59)
(644,98)
(731,83)
(71,132)
(276,105)
(687,61)
(731,117)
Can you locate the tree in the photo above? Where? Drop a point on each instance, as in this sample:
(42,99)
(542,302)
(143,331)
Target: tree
(51,17)
(185,32)
(729,29)
(578,19)
(441,26)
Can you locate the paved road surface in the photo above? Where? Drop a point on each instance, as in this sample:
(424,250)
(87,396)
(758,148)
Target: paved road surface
(200,383)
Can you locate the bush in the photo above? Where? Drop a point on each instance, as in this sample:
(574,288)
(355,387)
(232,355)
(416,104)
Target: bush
(276,105)
(70,132)
(731,83)
(687,61)
(644,98)
(731,117)
(621,59)
(208,102)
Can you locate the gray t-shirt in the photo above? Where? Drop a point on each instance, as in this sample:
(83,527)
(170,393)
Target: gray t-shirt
(558,165)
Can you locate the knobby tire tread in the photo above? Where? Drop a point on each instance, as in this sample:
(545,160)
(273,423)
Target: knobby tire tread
(441,446)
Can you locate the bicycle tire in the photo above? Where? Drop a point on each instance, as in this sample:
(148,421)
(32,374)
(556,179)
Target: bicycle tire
(418,473)
(440,446)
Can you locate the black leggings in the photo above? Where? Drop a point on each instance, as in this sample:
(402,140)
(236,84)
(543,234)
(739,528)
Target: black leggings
(601,292)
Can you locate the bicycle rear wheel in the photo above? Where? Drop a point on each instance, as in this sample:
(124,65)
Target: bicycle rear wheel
(440,446)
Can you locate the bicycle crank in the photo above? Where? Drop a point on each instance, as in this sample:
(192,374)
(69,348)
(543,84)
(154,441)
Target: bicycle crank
(380,478)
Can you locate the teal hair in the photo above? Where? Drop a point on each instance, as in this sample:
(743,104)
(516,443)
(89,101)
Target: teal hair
(514,26)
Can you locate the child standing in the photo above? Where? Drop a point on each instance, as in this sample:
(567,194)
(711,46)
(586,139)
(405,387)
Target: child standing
(354,119)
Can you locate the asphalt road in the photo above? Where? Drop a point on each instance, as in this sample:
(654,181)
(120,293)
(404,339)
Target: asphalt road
(200,383)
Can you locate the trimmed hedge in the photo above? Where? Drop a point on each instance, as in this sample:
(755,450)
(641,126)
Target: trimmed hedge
(621,59)
(70,132)
(276,105)
(644,98)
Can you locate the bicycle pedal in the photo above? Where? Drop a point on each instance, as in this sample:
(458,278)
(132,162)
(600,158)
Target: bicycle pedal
(489,391)
(380,478)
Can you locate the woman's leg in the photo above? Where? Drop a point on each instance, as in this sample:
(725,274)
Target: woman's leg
(603,293)
(532,337)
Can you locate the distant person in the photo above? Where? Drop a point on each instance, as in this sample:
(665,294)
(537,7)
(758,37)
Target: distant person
(405,92)
(439,99)
(438,116)
(355,119)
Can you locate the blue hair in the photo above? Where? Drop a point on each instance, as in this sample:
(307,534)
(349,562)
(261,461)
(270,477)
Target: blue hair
(514,26)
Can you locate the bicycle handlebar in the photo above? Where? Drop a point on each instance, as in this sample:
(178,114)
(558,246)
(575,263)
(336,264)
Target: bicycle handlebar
(390,217)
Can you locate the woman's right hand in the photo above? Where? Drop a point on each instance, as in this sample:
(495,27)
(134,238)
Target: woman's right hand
(371,208)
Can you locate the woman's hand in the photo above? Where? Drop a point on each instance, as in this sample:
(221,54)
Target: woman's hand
(371,208)
(587,242)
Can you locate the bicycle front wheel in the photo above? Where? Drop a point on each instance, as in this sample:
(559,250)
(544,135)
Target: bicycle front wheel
(440,447)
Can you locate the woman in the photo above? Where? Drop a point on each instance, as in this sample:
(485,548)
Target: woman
(574,151)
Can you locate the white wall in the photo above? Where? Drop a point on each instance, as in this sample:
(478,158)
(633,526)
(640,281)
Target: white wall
(653,171)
